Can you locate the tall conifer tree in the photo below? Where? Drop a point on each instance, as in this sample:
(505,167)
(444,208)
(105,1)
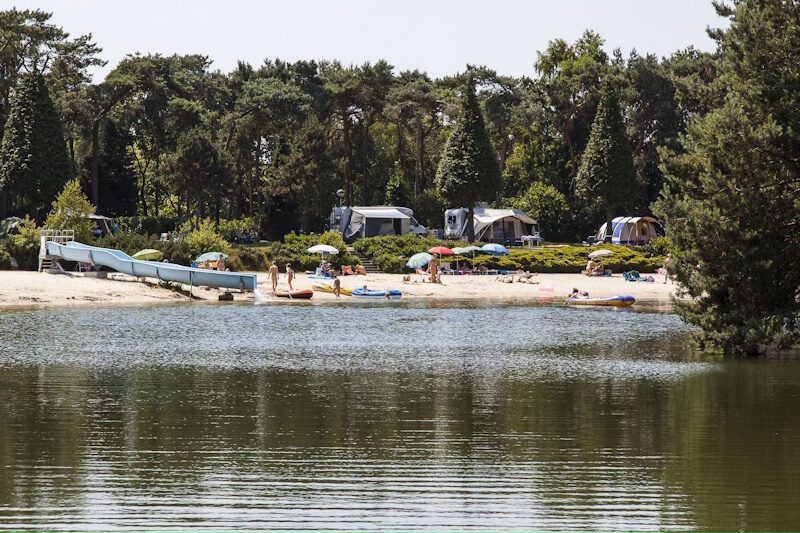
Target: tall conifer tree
(34,161)
(606,174)
(468,170)
(732,201)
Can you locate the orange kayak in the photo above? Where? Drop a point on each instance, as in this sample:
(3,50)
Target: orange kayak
(301,294)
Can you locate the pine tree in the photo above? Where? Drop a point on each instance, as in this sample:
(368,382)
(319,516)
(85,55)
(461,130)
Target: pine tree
(607,174)
(468,170)
(732,201)
(34,161)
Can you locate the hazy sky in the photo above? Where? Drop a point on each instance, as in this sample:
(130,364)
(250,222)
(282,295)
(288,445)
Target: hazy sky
(439,37)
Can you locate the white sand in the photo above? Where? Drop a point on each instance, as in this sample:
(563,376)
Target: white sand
(35,289)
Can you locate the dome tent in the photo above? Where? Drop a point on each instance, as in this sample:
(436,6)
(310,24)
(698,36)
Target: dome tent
(631,230)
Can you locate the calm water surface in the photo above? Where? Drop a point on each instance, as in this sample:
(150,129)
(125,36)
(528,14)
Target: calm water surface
(387,416)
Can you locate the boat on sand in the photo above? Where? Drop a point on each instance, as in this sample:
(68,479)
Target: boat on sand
(299,294)
(327,287)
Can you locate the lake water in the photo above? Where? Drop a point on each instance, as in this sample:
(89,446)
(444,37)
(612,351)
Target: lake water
(387,415)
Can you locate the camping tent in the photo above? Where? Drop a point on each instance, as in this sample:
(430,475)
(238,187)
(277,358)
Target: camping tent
(491,225)
(631,230)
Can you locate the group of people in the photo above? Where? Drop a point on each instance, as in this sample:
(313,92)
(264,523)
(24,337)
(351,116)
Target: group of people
(432,274)
(520,276)
(594,269)
(220,264)
(274,273)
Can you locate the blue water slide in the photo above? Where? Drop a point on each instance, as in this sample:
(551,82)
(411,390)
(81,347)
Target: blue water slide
(122,262)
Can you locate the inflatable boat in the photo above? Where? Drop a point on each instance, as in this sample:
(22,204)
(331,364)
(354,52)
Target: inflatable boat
(375,293)
(300,294)
(325,287)
(622,300)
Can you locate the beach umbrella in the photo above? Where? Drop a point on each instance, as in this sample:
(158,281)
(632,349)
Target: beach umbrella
(600,253)
(440,250)
(464,250)
(495,249)
(210,256)
(148,254)
(419,260)
(323,249)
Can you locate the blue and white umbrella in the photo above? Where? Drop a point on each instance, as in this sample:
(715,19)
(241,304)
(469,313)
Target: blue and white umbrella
(419,260)
(495,249)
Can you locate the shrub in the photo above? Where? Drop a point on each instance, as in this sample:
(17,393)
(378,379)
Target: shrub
(205,239)
(70,211)
(24,245)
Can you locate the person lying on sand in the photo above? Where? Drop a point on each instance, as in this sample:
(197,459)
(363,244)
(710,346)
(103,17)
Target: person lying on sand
(523,276)
(504,278)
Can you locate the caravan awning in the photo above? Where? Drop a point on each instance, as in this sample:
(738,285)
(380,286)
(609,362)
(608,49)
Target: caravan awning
(381,213)
(492,218)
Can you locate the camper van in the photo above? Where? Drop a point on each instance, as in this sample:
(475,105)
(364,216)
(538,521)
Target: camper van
(355,222)
(504,226)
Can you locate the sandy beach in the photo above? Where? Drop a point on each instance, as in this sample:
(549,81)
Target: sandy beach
(22,289)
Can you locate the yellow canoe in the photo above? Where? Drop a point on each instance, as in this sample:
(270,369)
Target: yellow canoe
(324,287)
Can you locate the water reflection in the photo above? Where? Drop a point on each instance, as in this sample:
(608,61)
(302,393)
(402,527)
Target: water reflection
(242,417)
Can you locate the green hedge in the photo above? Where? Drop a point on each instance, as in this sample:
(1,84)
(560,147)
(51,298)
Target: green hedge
(385,252)
(293,250)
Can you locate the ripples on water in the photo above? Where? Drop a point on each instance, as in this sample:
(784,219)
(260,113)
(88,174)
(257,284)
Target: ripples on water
(387,416)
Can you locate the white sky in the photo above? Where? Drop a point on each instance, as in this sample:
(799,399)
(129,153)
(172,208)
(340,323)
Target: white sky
(438,36)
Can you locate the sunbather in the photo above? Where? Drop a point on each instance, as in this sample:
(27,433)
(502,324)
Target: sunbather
(590,266)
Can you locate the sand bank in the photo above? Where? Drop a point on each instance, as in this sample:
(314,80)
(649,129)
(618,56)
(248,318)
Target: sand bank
(21,289)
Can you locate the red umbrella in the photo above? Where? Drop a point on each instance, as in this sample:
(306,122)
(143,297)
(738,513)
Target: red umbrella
(440,250)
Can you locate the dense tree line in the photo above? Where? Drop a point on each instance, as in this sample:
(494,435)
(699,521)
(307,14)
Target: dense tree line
(170,135)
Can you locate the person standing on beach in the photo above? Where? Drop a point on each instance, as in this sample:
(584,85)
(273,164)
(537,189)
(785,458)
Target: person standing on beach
(337,285)
(221,263)
(433,269)
(273,274)
(289,275)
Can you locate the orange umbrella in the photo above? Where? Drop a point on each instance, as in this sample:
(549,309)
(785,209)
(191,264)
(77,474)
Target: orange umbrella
(440,250)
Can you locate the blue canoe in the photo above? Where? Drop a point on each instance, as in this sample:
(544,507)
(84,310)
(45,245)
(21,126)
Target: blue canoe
(375,293)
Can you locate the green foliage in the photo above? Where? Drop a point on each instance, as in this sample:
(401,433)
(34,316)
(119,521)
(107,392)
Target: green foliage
(732,203)
(548,207)
(117,179)
(146,225)
(71,210)
(230,230)
(607,174)
(204,239)
(388,251)
(468,170)
(23,246)
(34,163)
(293,250)
(385,251)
